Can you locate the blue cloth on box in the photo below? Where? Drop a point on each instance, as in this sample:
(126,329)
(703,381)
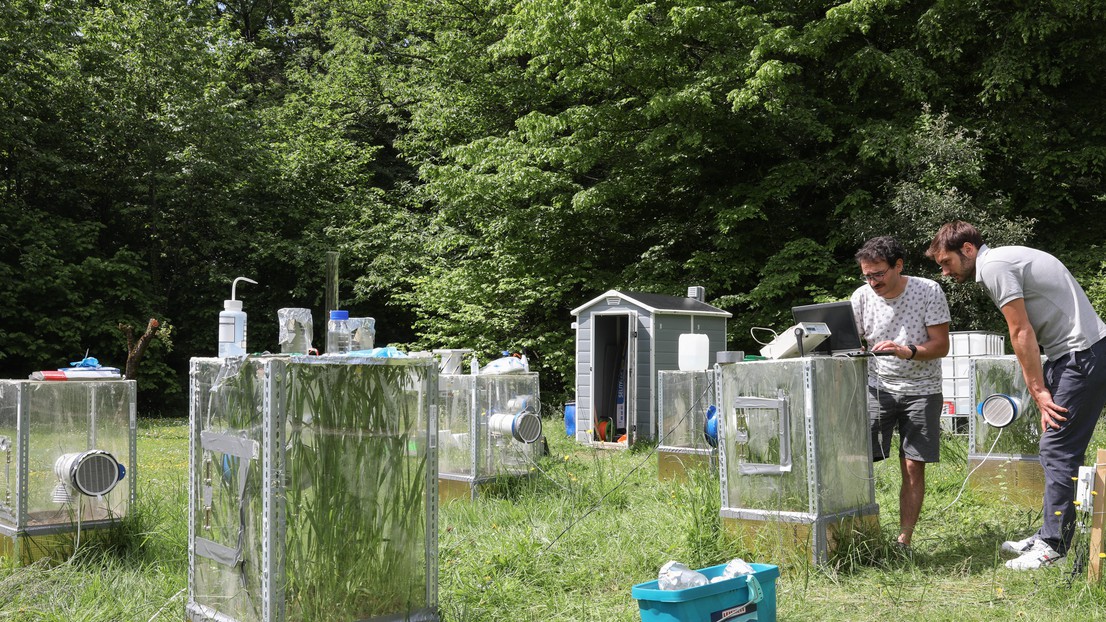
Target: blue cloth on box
(389,352)
(88,361)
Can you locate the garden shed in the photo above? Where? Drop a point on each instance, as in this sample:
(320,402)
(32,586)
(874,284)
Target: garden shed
(622,340)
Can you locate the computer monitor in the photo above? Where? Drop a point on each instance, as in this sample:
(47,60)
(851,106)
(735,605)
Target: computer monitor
(844,336)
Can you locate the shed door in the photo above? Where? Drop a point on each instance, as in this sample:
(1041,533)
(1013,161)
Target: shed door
(614,354)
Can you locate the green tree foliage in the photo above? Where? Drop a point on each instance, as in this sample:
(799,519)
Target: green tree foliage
(137,184)
(485,167)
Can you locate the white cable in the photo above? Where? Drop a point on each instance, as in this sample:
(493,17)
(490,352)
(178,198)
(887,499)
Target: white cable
(754,336)
(981,463)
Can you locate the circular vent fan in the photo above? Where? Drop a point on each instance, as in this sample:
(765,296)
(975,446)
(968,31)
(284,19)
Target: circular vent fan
(93,473)
(524,427)
(1000,410)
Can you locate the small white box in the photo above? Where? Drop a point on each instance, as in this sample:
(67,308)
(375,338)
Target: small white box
(786,344)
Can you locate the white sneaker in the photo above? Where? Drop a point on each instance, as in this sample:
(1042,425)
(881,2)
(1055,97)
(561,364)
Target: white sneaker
(1018,547)
(1039,555)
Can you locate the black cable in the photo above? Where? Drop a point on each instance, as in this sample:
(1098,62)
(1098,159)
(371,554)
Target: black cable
(596,506)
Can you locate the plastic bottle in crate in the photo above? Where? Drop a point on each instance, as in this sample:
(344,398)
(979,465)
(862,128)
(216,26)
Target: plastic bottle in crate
(676,576)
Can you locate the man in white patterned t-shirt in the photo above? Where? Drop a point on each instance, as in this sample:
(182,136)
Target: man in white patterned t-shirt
(907,316)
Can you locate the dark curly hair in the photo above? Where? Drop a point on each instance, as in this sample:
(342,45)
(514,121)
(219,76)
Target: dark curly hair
(882,248)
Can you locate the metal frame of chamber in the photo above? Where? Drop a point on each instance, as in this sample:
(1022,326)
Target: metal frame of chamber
(303,469)
(795,446)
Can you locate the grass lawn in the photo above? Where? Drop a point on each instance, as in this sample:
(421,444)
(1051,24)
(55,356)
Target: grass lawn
(568,543)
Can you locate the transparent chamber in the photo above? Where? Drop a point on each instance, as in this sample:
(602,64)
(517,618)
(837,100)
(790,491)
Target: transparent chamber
(67,455)
(470,451)
(1005,461)
(796,450)
(313,489)
(684,398)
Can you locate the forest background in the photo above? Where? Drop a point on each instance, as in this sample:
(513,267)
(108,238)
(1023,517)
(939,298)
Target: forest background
(485,166)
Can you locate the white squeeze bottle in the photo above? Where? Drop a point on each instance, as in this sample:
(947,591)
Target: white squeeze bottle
(232,324)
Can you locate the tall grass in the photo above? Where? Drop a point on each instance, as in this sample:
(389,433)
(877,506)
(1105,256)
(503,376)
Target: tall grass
(568,542)
(356,500)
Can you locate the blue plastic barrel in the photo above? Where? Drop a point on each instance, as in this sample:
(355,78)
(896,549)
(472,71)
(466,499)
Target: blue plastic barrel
(570,418)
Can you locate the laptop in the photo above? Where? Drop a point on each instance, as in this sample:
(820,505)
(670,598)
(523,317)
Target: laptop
(844,339)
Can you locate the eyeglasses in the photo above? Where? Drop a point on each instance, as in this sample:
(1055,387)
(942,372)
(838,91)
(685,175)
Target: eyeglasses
(875,276)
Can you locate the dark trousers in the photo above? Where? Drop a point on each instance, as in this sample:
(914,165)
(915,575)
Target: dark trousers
(1078,382)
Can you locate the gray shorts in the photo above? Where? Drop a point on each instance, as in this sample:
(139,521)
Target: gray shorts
(916,417)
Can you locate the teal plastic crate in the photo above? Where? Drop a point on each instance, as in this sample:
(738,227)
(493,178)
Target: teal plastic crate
(751,598)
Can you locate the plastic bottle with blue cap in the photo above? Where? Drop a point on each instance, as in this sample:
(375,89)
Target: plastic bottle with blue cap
(338,333)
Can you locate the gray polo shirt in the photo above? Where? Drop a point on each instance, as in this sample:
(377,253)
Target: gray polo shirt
(1058,308)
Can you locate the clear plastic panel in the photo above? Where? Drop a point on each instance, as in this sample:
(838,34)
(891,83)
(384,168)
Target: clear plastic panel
(780,414)
(62,418)
(357,467)
(9,462)
(685,397)
(1002,374)
(455,424)
(467,404)
(509,394)
(843,456)
(227,416)
(748,431)
(346,528)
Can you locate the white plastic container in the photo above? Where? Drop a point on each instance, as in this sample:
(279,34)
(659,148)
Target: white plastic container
(232,324)
(956,380)
(694,352)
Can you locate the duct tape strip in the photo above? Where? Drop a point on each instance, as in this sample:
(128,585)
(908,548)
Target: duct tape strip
(227,444)
(202,613)
(220,553)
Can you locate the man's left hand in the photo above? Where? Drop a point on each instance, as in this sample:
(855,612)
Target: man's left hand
(1051,416)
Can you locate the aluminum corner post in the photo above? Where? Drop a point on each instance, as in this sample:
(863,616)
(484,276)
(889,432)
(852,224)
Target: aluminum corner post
(722,467)
(812,441)
(272,481)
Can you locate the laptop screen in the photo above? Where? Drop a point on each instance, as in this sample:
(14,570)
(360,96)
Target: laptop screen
(844,336)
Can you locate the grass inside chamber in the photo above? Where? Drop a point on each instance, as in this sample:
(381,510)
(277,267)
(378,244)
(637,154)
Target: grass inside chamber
(356,491)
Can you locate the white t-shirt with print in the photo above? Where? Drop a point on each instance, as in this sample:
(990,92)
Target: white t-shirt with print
(902,319)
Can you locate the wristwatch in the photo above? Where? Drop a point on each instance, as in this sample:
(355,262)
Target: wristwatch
(913,352)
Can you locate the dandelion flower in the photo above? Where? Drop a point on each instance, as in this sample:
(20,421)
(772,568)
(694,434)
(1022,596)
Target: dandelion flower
(1077,503)
(1057,512)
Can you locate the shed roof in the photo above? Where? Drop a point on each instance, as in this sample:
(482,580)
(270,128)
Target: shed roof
(659,303)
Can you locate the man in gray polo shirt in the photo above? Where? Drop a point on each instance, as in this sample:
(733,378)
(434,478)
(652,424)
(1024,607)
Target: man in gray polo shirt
(1045,309)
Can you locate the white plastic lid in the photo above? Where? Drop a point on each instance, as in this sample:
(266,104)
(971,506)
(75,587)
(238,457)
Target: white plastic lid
(232,305)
